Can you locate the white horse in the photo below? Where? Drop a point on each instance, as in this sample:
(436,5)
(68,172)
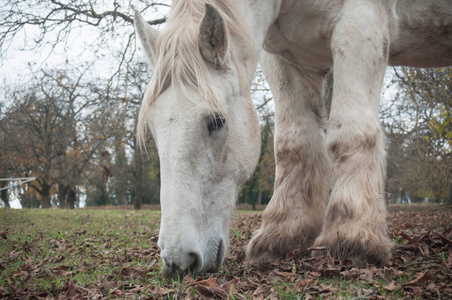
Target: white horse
(198,108)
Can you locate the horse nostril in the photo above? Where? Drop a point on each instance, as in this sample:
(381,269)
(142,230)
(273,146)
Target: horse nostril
(192,268)
(169,269)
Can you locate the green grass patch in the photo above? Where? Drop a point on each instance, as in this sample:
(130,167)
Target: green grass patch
(114,254)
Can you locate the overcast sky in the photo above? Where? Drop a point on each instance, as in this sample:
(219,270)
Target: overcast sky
(76,50)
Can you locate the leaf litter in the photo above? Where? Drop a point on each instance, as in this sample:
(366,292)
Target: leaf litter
(85,264)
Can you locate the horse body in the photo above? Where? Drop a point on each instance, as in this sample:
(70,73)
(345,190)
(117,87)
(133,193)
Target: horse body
(424,34)
(358,38)
(421,31)
(207,135)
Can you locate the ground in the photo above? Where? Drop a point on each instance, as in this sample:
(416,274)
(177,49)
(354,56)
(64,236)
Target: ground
(106,254)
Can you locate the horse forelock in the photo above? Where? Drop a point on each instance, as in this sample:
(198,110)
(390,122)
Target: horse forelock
(180,62)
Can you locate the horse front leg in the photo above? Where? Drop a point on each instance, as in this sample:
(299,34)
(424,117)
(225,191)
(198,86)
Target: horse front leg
(294,216)
(355,220)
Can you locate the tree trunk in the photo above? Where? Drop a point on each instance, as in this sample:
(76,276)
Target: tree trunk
(71,198)
(4,194)
(259,199)
(137,201)
(252,197)
(62,195)
(45,196)
(449,198)
(67,196)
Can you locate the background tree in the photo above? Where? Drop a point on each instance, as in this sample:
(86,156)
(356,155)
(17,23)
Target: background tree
(419,126)
(258,189)
(58,123)
(54,128)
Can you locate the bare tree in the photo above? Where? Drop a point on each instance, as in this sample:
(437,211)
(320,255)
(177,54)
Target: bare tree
(419,126)
(55,128)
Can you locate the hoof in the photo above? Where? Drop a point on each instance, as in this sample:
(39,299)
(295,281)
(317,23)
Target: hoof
(360,250)
(270,243)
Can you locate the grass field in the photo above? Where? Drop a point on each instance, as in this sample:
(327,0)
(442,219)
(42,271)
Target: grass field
(105,254)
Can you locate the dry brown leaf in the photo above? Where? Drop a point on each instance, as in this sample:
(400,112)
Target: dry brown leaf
(432,287)
(259,293)
(26,267)
(317,248)
(390,287)
(449,260)
(210,293)
(116,292)
(308,297)
(208,283)
(315,274)
(421,279)
(416,290)
(162,291)
(424,250)
(331,272)
(133,271)
(76,297)
(292,254)
(327,290)
(71,290)
(229,287)
(301,284)
(287,275)
(20,273)
(369,273)
(64,273)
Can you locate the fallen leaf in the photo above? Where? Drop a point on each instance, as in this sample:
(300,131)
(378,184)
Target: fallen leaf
(116,292)
(133,271)
(20,273)
(301,284)
(390,287)
(71,290)
(315,274)
(229,287)
(64,273)
(210,293)
(369,273)
(421,279)
(416,290)
(432,287)
(449,260)
(331,272)
(286,275)
(162,291)
(259,293)
(292,254)
(208,283)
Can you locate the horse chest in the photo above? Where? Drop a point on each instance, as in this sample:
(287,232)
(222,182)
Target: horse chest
(301,35)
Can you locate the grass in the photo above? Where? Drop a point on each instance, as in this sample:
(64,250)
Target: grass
(114,254)
(69,244)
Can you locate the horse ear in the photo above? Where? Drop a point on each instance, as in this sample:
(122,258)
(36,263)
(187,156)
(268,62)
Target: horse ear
(213,37)
(148,37)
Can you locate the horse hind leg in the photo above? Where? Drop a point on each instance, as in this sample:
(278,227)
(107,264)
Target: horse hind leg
(294,216)
(355,220)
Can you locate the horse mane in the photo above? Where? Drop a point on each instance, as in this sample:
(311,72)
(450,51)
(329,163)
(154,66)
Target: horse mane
(180,62)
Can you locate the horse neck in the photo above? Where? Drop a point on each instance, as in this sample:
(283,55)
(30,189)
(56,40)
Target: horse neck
(259,14)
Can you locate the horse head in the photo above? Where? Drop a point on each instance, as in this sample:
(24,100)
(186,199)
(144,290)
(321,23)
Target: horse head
(200,114)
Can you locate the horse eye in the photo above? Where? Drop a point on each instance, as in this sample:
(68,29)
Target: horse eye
(215,123)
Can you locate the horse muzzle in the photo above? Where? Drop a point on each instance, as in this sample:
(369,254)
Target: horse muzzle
(179,261)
